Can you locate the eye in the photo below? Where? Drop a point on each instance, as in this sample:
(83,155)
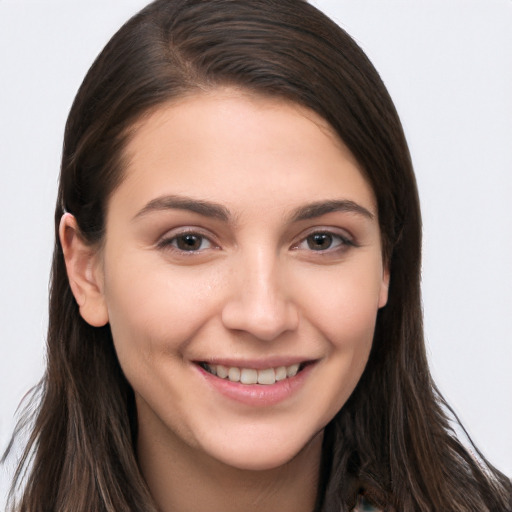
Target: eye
(187,242)
(321,241)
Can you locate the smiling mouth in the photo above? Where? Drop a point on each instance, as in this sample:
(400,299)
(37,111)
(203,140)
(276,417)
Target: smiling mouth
(248,376)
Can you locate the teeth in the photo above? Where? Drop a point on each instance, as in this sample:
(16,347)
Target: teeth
(267,377)
(281,373)
(292,370)
(248,376)
(234,374)
(221,372)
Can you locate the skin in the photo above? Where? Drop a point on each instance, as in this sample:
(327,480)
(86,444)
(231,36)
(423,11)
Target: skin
(257,289)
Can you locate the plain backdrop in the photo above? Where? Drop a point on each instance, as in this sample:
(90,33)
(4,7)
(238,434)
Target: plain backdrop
(448,66)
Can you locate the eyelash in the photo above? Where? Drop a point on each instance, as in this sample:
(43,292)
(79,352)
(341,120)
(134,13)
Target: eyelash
(173,241)
(343,242)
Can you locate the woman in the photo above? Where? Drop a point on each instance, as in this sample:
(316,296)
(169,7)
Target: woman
(235,312)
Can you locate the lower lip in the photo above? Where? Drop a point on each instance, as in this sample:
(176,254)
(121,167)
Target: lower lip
(258,394)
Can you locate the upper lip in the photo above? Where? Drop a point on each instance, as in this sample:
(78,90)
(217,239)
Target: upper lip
(257,364)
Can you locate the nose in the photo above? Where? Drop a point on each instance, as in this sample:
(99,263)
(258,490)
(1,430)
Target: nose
(258,303)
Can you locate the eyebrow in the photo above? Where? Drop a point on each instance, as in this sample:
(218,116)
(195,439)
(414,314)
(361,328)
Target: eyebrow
(220,212)
(204,208)
(317,209)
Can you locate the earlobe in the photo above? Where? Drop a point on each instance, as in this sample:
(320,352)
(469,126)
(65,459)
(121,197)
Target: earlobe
(384,288)
(84,273)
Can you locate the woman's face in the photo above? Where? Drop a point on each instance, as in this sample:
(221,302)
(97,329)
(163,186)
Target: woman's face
(244,241)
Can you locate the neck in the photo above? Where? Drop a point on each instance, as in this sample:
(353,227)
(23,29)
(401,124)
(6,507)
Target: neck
(184,479)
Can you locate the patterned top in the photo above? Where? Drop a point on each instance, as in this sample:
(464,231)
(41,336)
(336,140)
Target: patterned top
(363,505)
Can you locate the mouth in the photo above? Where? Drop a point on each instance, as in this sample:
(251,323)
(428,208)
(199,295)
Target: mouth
(251,376)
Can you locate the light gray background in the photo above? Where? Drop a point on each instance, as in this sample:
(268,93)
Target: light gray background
(448,66)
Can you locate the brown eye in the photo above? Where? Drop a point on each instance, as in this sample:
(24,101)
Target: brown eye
(325,241)
(191,242)
(187,242)
(320,241)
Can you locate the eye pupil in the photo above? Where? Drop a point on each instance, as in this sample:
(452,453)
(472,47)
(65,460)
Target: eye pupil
(319,241)
(189,242)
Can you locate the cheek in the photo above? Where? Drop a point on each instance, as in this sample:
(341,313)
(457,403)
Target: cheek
(344,310)
(156,308)
(343,304)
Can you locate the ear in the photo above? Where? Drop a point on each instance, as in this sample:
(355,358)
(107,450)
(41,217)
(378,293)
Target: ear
(384,287)
(84,272)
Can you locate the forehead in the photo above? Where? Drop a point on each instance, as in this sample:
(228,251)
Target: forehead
(227,145)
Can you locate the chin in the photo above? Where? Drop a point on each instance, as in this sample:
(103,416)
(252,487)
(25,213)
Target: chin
(262,462)
(271,454)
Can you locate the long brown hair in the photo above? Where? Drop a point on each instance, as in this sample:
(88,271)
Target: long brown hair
(393,440)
